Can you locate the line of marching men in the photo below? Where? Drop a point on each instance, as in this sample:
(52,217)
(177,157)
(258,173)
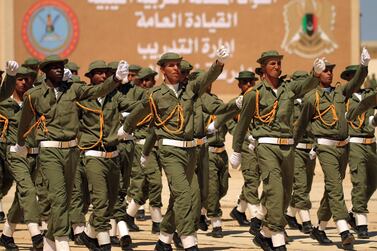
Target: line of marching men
(69,144)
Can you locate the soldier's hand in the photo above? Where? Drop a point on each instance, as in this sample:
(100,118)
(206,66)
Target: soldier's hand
(222,54)
(143,160)
(122,71)
(11,68)
(19,150)
(122,134)
(211,129)
(252,143)
(67,74)
(239,101)
(365,57)
(312,154)
(235,160)
(319,65)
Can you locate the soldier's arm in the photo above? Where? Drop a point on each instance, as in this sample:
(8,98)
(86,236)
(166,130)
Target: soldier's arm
(213,105)
(301,87)
(95,91)
(27,115)
(127,102)
(247,112)
(224,118)
(306,114)
(231,126)
(7,87)
(355,83)
(150,141)
(366,103)
(200,84)
(141,110)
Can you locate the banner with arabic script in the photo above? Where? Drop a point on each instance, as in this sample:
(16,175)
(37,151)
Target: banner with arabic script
(141,30)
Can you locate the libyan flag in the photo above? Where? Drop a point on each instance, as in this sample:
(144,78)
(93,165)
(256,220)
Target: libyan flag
(309,23)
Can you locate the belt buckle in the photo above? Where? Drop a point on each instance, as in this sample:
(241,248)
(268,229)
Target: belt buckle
(341,143)
(64,144)
(283,141)
(108,155)
(368,141)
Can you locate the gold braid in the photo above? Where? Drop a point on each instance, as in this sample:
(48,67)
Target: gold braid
(320,114)
(266,118)
(360,118)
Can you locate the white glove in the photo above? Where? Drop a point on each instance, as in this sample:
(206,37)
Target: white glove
(235,160)
(371,121)
(143,160)
(319,65)
(19,150)
(11,68)
(67,74)
(222,54)
(312,154)
(122,134)
(365,57)
(252,143)
(239,102)
(122,71)
(211,128)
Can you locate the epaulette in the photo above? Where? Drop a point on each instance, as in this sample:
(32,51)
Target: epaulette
(33,90)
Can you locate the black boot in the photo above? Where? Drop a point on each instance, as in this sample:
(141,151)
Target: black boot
(263,242)
(177,241)
(347,240)
(90,243)
(362,232)
(140,215)
(77,240)
(105,247)
(37,241)
(351,221)
(320,236)
(8,243)
(114,241)
(239,217)
(307,227)
(130,221)
(202,223)
(126,243)
(2,217)
(255,225)
(193,248)
(155,227)
(160,246)
(280,248)
(217,232)
(292,222)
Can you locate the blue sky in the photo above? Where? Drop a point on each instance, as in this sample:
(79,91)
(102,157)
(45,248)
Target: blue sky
(368,10)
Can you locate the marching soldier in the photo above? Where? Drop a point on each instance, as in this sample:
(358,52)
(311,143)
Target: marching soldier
(325,107)
(271,102)
(53,106)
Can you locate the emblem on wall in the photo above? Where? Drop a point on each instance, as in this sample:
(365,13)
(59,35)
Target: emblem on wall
(50,27)
(309,27)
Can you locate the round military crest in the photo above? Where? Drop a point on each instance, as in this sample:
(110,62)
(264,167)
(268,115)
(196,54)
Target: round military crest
(50,27)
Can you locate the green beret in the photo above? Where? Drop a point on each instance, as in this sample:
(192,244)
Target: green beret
(269,54)
(169,56)
(351,69)
(31,62)
(98,64)
(329,65)
(186,66)
(145,72)
(72,66)
(134,67)
(299,75)
(113,65)
(246,75)
(50,60)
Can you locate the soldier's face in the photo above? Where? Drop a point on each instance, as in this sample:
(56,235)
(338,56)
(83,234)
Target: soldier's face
(23,84)
(98,76)
(74,73)
(272,67)
(131,76)
(172,71)
(326,76)
(245,84)
(55,72)
(148,82)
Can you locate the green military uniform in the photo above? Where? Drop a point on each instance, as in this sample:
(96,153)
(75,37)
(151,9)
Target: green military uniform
(326,108)
(272,128)
(176,130)
(58,117)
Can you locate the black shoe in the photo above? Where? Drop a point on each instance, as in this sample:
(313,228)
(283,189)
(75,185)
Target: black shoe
(140,215)
(320,236)
(347,240)
(362,232)
(263,242)
(280,248)
(77,240)
(126,243)
(37,241)
(131,223)
(114,241)
(202,223)
(105,247)
(8,243)
(177,241)
(2,217)
(155,227)
(160,246)
(193,248)
(306,227)
(255,225)
(292,222)
(351,220)
(217,232)
(287,238)
(239,217)
(90,243)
